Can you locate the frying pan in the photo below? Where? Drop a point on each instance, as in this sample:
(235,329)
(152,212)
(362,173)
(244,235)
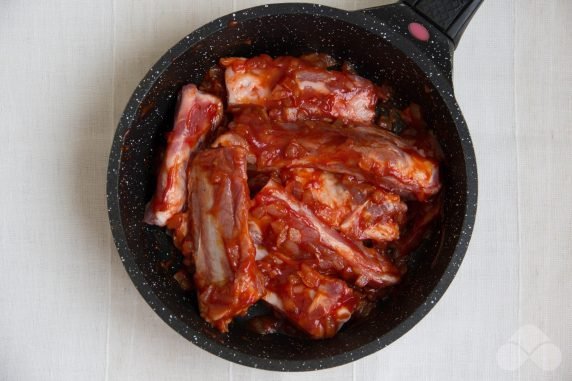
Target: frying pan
(408,45)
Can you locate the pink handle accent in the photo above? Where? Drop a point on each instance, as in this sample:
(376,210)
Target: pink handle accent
(419,31)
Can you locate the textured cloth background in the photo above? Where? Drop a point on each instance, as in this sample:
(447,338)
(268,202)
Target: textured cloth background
(67,308)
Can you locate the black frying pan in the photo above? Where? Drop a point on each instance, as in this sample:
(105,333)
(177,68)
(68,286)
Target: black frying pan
(409,45)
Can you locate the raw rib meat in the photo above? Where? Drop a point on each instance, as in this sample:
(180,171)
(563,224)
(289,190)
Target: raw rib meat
(227,279)
(314,93)
(250,81)
(302,201)
(357,209)
(300,88)
(317,304)
(371,154)
(286,225)
(197,114)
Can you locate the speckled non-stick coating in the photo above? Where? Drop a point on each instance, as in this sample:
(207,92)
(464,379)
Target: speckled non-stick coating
(378,44)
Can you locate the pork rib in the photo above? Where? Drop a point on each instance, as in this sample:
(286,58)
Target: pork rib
(358,209)
(315,93)
(317,304)
(286,225)
(197,114)
(250,81)
(226,277)
(371,154)
(299,88)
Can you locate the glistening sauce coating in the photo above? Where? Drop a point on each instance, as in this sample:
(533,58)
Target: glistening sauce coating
(312,195)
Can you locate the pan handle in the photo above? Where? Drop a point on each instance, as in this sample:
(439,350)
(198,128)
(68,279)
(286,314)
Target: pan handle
(433,26)
(449,16)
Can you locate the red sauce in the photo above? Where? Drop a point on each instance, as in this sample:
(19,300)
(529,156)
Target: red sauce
(295,121)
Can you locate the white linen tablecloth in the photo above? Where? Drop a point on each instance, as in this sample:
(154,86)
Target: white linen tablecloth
(68,310)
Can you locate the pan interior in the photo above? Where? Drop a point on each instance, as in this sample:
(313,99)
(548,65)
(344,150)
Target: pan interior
(374,58)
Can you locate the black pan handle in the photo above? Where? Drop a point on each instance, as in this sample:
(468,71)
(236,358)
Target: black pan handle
(449,16)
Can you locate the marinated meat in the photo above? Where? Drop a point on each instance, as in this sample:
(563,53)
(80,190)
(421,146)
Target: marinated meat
(313,194)
(317,304)
(300,88)
(197,114)
(227,279)
(358,209)
(286,225)
(374,155)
